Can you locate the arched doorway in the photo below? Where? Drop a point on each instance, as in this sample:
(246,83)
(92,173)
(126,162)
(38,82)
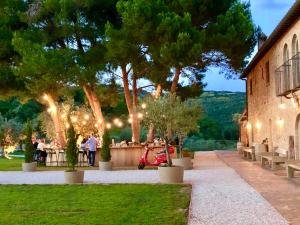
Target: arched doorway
(297,137)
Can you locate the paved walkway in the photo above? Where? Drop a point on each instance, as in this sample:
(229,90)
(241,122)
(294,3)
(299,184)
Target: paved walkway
(219,195)
(282,193)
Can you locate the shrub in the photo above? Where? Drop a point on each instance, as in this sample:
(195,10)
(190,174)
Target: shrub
(105,151)
(29,150)
(72,150)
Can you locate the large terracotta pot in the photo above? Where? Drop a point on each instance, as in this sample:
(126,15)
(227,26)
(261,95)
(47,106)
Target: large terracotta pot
(74,177)
(171,175)
(105,166)
(29,167)
(185,162)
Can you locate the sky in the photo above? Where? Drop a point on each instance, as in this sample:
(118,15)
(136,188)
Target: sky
(265,13)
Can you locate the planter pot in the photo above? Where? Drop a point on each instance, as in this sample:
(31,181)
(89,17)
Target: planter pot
(105,166)
(74,177)
(185,162)
(29,167)
(170,175)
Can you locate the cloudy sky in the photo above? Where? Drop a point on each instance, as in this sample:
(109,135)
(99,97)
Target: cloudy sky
(267,14)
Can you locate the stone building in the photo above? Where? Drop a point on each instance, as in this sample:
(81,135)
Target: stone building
(273,88)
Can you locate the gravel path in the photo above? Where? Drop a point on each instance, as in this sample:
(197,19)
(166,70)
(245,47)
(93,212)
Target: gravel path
(219,195)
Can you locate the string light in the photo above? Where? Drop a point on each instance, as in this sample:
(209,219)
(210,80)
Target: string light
(108,125)
(100,121)
(140,115)
(83,123)
(144,106)
(63,115)
(74,119)
(120,124)
(67,125)
(116,121)
(129,120)
(45,97)
(86,117)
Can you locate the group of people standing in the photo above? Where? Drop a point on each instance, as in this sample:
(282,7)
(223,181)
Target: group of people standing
(90,144)
(88,147)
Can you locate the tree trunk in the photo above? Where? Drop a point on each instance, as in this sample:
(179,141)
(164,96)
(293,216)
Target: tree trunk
(95,106)
(168,153)
(60,134)
(175,81)
(131,106)
(150,135)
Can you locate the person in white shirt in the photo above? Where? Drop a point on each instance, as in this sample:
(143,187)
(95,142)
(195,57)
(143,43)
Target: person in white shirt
(41,150)
(92,143)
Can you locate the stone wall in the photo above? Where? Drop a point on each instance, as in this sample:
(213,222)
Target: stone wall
(267,119)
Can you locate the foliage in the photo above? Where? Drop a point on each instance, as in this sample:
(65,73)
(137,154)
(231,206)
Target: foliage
(10,133)
(126,134)
(29,150)
(10,21)
(105,150)
(123,200)
(219,109)
(193,143)
(188,109)
(72,150)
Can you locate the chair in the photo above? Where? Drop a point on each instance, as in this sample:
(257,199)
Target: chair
(50,153)
(61,157)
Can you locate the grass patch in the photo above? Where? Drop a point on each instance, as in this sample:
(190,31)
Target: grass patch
(118,204)
(13,164)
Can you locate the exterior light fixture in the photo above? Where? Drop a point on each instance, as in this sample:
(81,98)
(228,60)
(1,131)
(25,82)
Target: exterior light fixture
(282,106)
(280,122)
(258,125)
(248,126)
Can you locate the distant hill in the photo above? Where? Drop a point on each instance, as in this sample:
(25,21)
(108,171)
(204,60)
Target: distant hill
(220,106)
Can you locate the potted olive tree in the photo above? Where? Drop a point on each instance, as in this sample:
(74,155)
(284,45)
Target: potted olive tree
(29,165)
(161,113)
(105,163)
(188,114)
(72,175)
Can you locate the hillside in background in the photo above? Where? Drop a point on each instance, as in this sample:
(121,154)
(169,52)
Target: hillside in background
(220,106)
(217,127)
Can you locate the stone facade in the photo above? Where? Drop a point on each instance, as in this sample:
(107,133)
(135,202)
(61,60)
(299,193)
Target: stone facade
(269,115)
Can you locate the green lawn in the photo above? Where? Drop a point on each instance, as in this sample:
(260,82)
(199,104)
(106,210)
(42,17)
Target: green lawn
(94,204)
(15,164)
(10,164)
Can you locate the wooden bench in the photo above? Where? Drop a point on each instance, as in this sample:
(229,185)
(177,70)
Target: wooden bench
(278,156)
(291,167)
(249,153)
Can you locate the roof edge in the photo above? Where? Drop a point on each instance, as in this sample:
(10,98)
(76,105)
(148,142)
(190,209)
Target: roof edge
(292,15)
